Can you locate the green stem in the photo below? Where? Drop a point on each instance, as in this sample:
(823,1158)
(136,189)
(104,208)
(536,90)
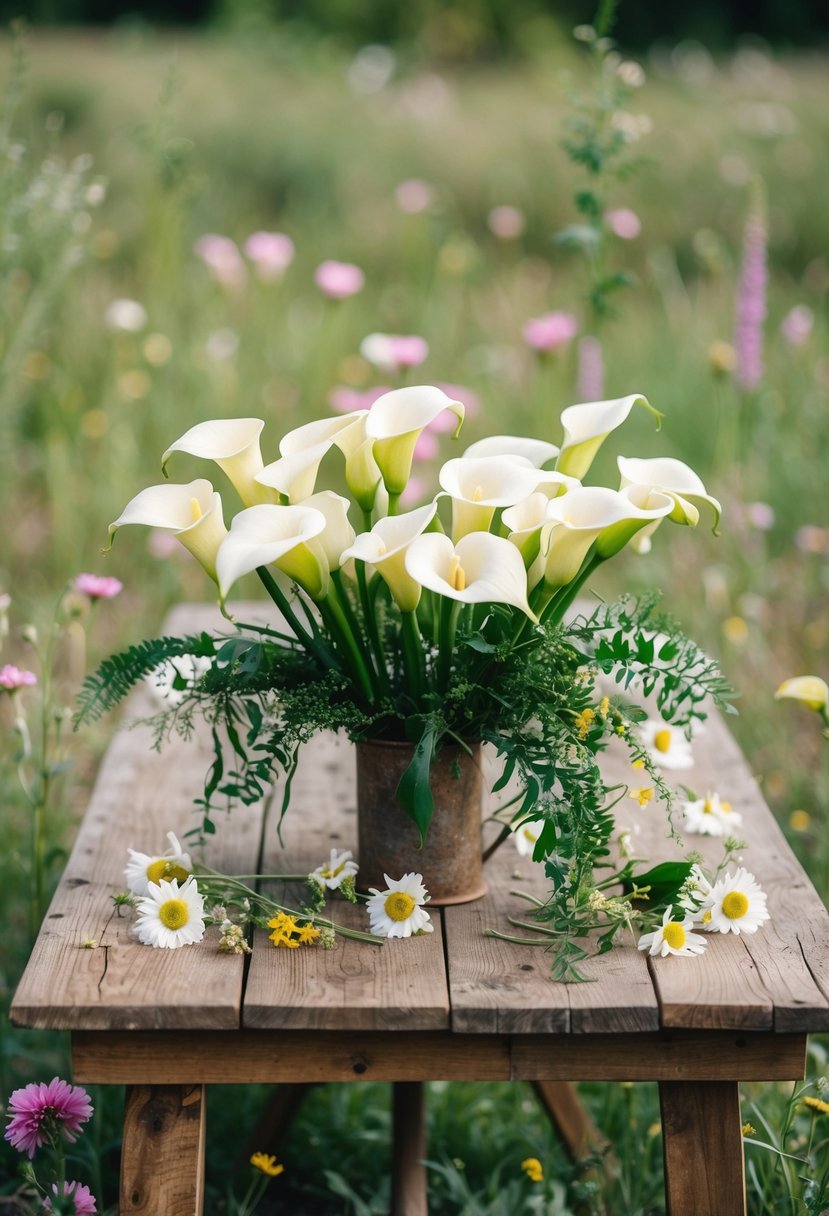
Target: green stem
(373,631)
(413,661)
(281,600)
(335,618)
(561,601)
(446,639)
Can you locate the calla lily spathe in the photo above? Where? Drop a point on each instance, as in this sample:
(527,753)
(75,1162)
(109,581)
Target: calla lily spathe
(587,426)
(537,451)
(479,569)
(294,474)
(233,443)
(394,422)
(672,477)
(192,512)
(479,485)
(385,547)
(338,533)
(811,691)
(286,537)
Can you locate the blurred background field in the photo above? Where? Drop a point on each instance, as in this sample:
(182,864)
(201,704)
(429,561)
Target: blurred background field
(123,147)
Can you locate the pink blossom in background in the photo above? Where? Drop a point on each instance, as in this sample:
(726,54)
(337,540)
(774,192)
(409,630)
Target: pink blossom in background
(797,325)
(338,280)
(271,254)
(760,515)
(414,195)
(507,223)
(550,332)
(163,545)
(426,446)
(81,1196)
(623,223)
(12,678)
(222,258)
(413,492)
(344,399)
(751,303)
(394,352)
(812,539)
(590,383)
(40,1110)
(447,422)
(98,586)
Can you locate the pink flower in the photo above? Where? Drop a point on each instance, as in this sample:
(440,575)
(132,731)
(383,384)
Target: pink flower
(550,332)
(591,370)
(12,677)
(812,539)
(338,280)
(222,258)
(413,195)
(394,352)
(344,399)
(98,586)
(426,446)
(751,301)
(797,325)
(623,223)
(760,515)
(81,1196)
(271,253)
(468,398)
(39,1111)
(506,222)
(413,491)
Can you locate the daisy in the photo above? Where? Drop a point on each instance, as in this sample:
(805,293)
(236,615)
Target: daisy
(674,937)
(171,916)
(666,745)
(735,904)
(39,1111)
(398,911)
(526,835)
(710,816)
(142,869)
(693,891)
(340,867)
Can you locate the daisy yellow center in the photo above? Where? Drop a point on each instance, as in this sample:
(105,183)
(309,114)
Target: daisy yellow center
(674,935)
(399,905)
(708,807)
(457,574)
(735,905)
(174,913)
(662,740)
(164,868)
(196,510)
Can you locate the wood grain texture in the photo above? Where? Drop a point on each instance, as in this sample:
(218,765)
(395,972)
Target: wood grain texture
(703,1147)
(162,1159)
(408,1171)
(568,1116)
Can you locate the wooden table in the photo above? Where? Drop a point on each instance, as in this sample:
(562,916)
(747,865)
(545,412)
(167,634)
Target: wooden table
(453,1006)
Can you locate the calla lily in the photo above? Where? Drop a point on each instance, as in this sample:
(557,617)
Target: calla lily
(525,521)
(672,477)
(647,509)
(346,432)
(192,512)
(479,485)
(285,537)
(338,533)
(386,546)
(234,445)
(537,451)
(479,569)
(294,475)
(587,426)
(394,423)
(809,690)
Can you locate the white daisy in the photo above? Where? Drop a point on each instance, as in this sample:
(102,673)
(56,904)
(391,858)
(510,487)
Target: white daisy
(166,680)
(142,869)
(710,816)
(332,875)
(525,836)
(693,891)
(170,916)
(666,744)
(674,937)
(398,911)
(735,904)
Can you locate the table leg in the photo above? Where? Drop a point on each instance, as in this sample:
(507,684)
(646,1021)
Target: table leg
(571,1121)
(703,1146)
(408,1173)
(162,1158)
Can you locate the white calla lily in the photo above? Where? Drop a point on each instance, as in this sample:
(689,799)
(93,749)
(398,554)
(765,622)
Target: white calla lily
(385,547)
(587,426)
(479,485)
(525,521)
(233,443)
(346,432)
(294,476)
(338,533)
(285,537)
(192,512)
(479,569)
(672,477)
(394,422)
(537,451)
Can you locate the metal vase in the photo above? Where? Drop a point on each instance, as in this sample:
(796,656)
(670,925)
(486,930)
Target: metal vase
(388,841)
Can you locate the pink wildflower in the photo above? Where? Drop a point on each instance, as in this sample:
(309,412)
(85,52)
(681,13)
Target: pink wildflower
(394,352)
(12,677)
(413,196)
(81,1196)
(98,586)
(426,446)
(812,539)
(413,492)
(623,223)
(591,370)
(344,399)
(760,515)
(271,253)
(751,301)
(797,325)
(550,332)
(39,1111)
(222,258)
(505,222)
(338,280)
(468,398)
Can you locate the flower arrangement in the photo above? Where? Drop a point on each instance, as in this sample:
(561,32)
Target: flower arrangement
(447,623)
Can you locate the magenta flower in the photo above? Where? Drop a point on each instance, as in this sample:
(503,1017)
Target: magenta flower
(505,222)
(40,1111)
(98,586)
(12,678)
(413,196)
(344,399)
(590,385)
(426,446)
(394,352)
(623,223)
(338,280)
(81,1196)
(271,254)
(222,258)
(797,325)
(550,332)
(751,303)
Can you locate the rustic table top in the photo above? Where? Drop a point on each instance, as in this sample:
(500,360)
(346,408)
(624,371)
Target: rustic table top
(454,980)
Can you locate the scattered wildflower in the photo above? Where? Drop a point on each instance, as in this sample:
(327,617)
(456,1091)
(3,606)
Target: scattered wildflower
(533,1169)
(307,934)
(550,332)
(124,899)
(288,932)
(590,385)
(98,586)
(735,904)
(157,349)
(222,344)
(506,222)
(526,835)
(232,940)
(749,1130)
(797,325)
(82,1198)
(722,358)
(333,874)
(631,73)
(812,539)
(673,937)
(271,254)
(222,258)
(394,352)
(89,943)
(604,706)
(760,515)
(709,816)
(142,869)
(398,910)
(413,195)
(623,223)
(12,678)
(338,280)
(267,1164)
(126,315)
(584,722)
(817,1104)
(40,1112)
(735,629)
(809,690)
(666,745)
(327,938)
(345,400)
(170,916)
(655,1129)
(694,890)
(641,794)
(800,821)
(751,299)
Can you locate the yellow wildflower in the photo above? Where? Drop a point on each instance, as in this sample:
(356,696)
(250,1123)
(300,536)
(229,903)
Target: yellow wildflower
(642,795)
(817,1105)
(533,1169)
(748,1130)
(584,721)
(267,1164)
(308,934)
(604,706)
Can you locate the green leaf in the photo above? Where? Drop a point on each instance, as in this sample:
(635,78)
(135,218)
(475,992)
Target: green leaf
(664,881)
(413,791)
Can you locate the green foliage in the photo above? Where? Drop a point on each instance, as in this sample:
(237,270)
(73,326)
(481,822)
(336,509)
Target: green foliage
(119,673)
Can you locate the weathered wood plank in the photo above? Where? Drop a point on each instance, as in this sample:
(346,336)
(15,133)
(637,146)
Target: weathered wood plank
(162,1159)
(408,1169)
(703,1147)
